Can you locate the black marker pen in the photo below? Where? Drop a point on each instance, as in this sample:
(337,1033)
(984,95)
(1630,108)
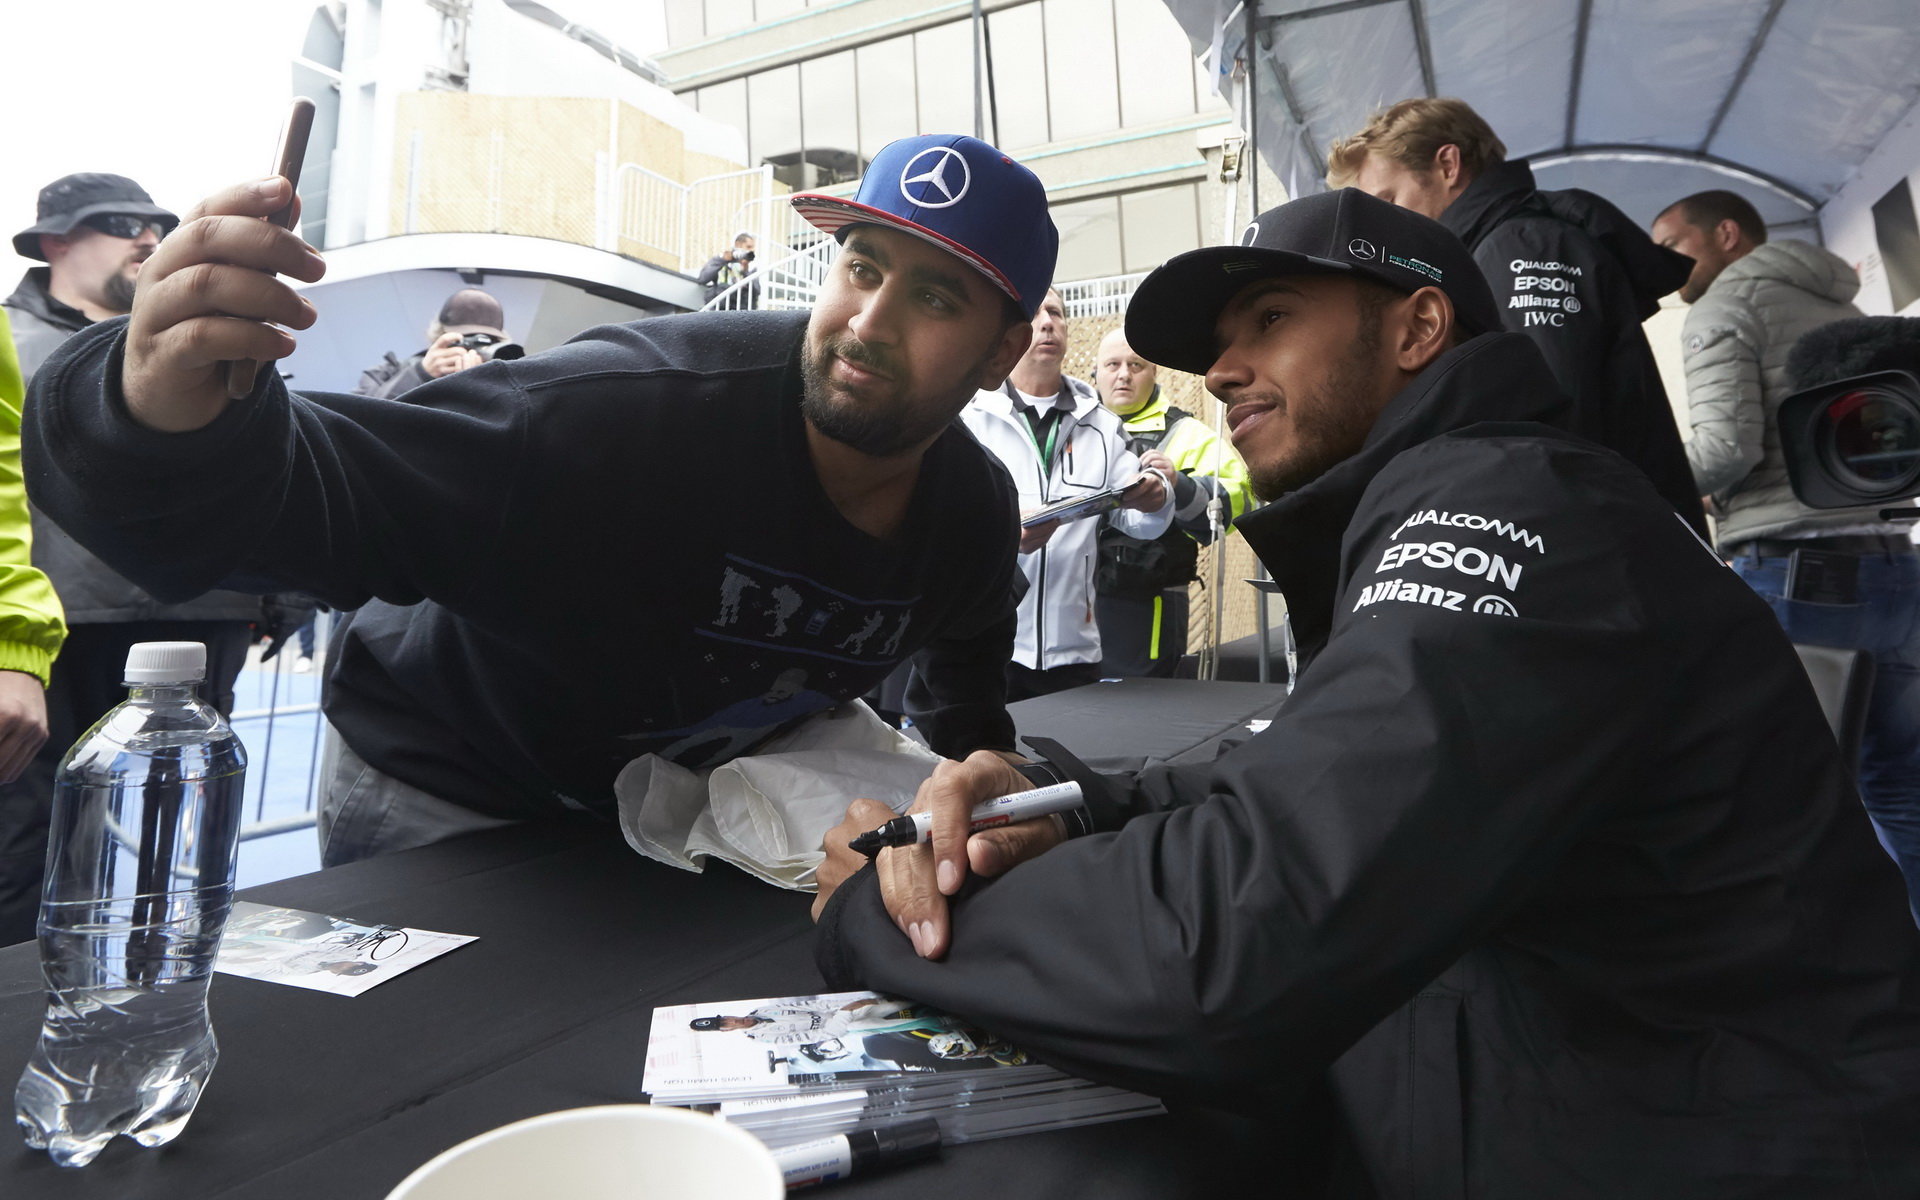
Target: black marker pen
(826,1159)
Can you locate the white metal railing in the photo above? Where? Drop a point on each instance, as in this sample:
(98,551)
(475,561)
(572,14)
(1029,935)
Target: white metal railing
(1106,296)
(779,229)
(792,282)
(678,224)
(648,209)
(719,207)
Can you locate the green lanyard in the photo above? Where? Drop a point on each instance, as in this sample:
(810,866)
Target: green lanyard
(1053,435)
(1054,419)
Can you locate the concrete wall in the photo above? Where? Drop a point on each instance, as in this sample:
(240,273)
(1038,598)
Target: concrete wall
(539,166)
(804,34)
(512,55)
(498,164)
(1123,160)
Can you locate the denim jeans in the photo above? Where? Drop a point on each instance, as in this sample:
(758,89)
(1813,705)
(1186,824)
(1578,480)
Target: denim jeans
(1886,624)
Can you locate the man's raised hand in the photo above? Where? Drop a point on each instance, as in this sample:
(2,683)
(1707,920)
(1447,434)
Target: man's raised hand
(207,297)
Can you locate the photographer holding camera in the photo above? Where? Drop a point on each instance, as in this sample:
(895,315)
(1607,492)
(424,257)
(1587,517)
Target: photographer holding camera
(729,266)
(469,331)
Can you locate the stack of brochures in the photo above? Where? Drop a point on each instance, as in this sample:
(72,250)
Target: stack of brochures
(1087,504)
(795,1068)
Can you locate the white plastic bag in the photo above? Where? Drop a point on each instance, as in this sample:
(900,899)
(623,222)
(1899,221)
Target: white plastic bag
(766,812)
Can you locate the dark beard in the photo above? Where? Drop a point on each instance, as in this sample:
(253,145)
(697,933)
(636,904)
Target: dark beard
(1334,427)
(881,434)
(118,292)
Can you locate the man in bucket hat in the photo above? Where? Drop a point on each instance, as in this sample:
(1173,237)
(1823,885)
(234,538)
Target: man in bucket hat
(625,545)
(93,231)
(1547,880)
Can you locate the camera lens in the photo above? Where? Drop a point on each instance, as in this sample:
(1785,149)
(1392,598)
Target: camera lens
(1871,440)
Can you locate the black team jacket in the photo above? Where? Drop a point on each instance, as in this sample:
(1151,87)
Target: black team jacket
(1570,271)
(1549,866)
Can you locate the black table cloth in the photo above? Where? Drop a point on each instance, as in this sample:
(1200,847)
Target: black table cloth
(322,1096)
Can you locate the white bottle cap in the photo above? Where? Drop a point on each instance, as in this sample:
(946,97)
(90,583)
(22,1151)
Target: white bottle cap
(166,662)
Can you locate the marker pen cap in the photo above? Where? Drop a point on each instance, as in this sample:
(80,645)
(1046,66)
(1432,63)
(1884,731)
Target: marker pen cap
(902,1143)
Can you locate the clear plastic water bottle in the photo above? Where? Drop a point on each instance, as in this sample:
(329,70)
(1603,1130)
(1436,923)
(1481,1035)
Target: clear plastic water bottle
(146,819)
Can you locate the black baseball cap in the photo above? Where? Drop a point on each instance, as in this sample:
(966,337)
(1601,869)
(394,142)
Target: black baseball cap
(71,199)
(1171,318)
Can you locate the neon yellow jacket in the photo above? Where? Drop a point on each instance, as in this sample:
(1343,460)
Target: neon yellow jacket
(32,624)
(1197,452)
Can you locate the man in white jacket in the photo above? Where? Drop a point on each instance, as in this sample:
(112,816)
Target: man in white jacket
(1057,441)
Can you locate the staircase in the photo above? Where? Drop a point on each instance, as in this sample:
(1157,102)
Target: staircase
(791,282)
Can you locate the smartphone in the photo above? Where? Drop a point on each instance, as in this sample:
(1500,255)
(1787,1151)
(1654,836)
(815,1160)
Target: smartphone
(286,164)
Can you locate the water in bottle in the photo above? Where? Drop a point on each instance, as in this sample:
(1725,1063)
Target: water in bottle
(146,819)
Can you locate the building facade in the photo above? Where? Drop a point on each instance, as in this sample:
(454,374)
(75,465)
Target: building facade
(1102,98)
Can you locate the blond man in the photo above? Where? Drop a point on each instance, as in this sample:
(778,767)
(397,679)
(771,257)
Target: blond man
(1567,269)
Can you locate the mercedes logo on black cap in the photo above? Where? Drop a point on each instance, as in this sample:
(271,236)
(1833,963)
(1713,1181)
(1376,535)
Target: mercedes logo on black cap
(1362,248)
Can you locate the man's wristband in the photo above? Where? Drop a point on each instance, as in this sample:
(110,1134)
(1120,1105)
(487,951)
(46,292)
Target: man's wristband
(1040,773)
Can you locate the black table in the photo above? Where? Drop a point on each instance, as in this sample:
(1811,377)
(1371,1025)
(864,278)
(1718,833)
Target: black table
(579,939)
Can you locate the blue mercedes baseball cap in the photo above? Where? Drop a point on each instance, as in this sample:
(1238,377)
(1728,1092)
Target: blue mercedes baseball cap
(963,196)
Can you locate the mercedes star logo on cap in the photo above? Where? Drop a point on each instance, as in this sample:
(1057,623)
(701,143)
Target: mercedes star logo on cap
(939,191)
(1362,248)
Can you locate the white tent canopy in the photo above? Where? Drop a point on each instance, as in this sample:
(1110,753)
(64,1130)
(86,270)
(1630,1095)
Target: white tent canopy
(1642,101)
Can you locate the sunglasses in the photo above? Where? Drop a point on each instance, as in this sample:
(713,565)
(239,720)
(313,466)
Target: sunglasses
(121,225)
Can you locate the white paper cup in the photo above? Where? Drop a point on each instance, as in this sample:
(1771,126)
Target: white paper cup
(614,1152)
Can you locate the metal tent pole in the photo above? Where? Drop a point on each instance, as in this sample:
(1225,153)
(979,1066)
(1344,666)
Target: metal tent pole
(979,75)
(1263,670)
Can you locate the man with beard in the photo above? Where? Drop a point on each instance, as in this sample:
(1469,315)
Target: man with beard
(614,548)
(1547,880)
(94,232)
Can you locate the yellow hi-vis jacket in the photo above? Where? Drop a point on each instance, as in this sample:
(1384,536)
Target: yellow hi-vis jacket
(32,623)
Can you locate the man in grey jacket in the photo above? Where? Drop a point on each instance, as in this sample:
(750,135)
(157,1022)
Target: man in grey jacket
(94,231)
(1834,577)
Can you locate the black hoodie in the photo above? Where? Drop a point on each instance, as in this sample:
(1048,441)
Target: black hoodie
(1549,864)
(1569,270)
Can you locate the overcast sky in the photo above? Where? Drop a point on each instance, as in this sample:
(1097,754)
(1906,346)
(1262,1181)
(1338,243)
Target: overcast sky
(184,96)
